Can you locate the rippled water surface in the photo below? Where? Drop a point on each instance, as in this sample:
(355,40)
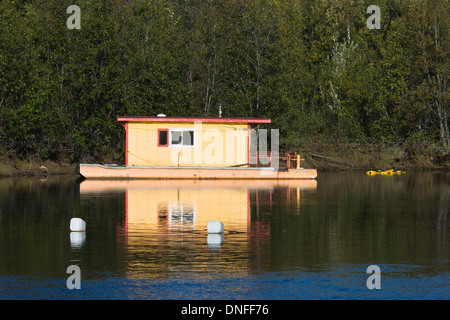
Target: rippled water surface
(296,240)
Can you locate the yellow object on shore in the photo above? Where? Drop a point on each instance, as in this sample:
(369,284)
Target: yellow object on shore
(385,172)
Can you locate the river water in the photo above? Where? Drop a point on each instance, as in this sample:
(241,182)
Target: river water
(296,240)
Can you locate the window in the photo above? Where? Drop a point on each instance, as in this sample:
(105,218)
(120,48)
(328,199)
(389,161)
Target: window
(163,140)
(182,138)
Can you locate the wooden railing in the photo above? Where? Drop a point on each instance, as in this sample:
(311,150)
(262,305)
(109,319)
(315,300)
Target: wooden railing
(287,160)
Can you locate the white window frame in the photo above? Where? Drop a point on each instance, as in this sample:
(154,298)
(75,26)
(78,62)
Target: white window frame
(171,130)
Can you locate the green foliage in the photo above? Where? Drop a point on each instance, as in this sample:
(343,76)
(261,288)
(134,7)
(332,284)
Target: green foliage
(312,66)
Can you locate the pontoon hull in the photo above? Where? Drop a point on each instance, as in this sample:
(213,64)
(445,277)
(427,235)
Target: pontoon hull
(97,171)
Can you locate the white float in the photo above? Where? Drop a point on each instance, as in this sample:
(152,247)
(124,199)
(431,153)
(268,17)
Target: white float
(77,225)
(215,227)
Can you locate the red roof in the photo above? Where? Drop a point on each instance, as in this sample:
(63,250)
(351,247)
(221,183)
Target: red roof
(192,119)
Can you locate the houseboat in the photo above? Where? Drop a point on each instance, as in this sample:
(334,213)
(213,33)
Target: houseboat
(164,147)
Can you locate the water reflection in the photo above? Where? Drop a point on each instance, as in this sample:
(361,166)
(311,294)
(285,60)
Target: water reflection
(77,239)
(166,221)
(149,239)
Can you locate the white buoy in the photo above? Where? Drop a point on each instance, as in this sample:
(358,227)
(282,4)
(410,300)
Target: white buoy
(215,227)
(77,225)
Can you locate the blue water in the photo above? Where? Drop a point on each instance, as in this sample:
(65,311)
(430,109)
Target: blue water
(294,244)
(338,283)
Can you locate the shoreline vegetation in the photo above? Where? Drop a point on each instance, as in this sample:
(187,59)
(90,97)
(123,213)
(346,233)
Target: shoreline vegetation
(344,95)
(356,160)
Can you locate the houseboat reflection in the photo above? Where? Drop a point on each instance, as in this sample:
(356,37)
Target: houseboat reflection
(165,227)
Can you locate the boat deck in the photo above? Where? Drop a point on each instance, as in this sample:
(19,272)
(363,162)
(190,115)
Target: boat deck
(98,171)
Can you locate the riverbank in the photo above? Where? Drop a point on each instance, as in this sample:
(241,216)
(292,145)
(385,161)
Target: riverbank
(331,161)
(35,167)
(326,156)
(323,162)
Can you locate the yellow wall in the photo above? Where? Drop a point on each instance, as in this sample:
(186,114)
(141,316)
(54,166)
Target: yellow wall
(216,145)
